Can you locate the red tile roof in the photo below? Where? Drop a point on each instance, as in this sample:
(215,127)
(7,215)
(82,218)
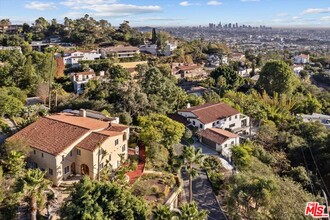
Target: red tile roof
(210,112)
(50,135)
(92,141)
(216,135)
(84,122)
(53,134)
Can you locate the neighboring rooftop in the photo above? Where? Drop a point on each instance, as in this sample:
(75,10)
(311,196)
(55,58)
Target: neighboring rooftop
(217,135)
(210,112)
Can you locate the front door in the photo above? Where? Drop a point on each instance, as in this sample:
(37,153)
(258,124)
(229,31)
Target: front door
(84,169)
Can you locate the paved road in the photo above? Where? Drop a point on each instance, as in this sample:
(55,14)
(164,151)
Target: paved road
(209,151)
(203,195)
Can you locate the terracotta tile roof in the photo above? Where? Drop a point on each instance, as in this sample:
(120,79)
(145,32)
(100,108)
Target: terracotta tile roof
(92,141)
(210,112)
(84,122)
(216,135)
(187,68)
(53,134)
(116,127)
(50,135)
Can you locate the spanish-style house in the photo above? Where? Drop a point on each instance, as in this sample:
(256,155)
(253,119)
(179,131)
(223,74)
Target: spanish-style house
(66,144)
(180,71)
(120,51)
(301,59)
(220,115)
(219,139)
(73,57)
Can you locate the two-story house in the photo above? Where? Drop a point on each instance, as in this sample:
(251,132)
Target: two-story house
(73,58)
(180,70)
(67,144)
(220,115)
(80,79)
(301,59)
(120,51)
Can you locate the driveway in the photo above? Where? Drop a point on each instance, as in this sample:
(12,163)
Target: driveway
(203,195)
(209,151)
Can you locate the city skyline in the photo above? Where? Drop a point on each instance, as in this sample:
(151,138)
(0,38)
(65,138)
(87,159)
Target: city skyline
(281,13)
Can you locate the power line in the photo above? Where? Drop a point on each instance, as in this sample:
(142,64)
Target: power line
(318,171)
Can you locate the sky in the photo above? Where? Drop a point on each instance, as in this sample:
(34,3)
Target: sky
(275,13)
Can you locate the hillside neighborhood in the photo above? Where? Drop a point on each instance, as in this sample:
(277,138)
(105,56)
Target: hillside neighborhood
(105,122)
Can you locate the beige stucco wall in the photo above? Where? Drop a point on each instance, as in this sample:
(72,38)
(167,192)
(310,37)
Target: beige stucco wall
(113,150)
(89,158)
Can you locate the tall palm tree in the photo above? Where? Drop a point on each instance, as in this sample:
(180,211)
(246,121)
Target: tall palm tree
(32,186)
(191,157)
(57,89)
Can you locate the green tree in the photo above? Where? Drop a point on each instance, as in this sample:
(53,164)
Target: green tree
(118,73)
(100,200)
(241,155)
(163,212)
(191,158)
(32,186)
(157,128)
(277,77)
(15,162)
(10,105)
(231,79)
(190,211)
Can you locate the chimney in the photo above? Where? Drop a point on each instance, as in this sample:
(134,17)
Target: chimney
(82,113)
(188,105)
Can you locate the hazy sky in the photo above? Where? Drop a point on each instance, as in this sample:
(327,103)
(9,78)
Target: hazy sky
(310,13)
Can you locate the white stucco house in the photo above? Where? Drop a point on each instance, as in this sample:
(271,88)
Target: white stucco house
(73,58)
(219,115)
(80,79)
(301,59)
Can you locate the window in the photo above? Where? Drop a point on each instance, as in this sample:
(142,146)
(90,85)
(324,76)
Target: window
(34,152)
(116,142)
(213,124)
(225,119)
(232,125)
(66,169)
(123,147)
(109,157)
(201,126)
(218,122)
(50,171)
(232,142)
(78,152)
(42,154)
(236,116)
(124,136)
(229,118)
(62,157)
(193,122)
(225,145)
(70,153)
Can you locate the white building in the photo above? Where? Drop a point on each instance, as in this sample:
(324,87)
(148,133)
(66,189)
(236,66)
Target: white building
(80,79)
(315,117)
(218,115)
(301,59)
(120,51)
(73,58)
(151,49)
